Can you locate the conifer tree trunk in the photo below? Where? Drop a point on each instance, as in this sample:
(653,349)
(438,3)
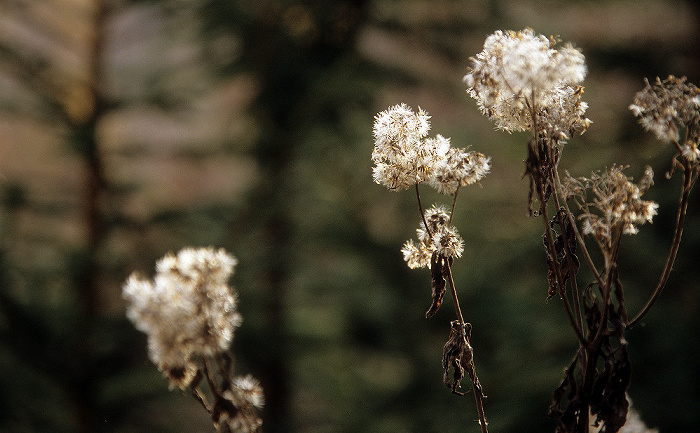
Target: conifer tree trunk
(85,135)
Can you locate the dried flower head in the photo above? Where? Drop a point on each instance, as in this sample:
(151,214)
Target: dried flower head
(401,157)
(517,74)
(436,217)
(459,168)
(245,396)
(441,237)
(187,310)
(563,114)
(404,156)
(614,204)
(690,151)
(416,255)
(667,107)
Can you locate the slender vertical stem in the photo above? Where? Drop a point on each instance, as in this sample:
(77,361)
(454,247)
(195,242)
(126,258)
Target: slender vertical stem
(471,370)
(576,304)
(479,399)
(574,285)
(422,213)
(610,272)
(458,310)
(454,202)
(551,251)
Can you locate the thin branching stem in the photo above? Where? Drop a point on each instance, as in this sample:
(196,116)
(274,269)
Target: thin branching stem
(620,295)
(547,229)
(197,392)
(207,375)
(576,303)
(557,270)
(602,323)
(670,259)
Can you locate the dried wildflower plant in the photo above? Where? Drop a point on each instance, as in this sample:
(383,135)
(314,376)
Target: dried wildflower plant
(404,157)
(189,313)
(526,82)
(614,207)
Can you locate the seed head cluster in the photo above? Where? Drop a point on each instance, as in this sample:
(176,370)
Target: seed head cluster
(440,236)
(404,155)
(521,75)
(458,168)
(614,202)
(246,396)
(187,310)
(668,107)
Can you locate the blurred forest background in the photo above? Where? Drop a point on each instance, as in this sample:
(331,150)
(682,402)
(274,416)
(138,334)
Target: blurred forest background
(130,128)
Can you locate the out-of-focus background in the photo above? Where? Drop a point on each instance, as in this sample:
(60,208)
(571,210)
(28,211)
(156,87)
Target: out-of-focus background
(130,128)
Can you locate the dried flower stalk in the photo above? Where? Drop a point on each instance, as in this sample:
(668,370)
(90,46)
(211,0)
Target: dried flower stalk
(524,82)
(404,156)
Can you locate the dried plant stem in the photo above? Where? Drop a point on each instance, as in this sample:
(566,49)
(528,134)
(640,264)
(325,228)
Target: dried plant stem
(422,213)
(197,392)
(478,397)
(476,385)
(577,233)
(454,202)
(458,310)
(574,285)
(551,251)
(688,181)
(602,330)
(469,367)
(549,241)
(576,304)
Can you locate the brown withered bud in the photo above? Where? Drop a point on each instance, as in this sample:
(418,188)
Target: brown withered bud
(457,355)
(439,268)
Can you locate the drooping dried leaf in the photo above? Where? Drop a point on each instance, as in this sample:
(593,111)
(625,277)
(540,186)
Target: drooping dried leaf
(609,394)
(439,268)
(457,355)
(565,401)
